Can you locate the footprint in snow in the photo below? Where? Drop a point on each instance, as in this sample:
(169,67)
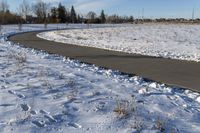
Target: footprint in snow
(33,112)
(39,123)
(2,123)
(50,118)
(174,103)
(75,125)
(43,111)
(25,107)
(15,93)
(6,105)
(21,96)
(3,87)
(12,92)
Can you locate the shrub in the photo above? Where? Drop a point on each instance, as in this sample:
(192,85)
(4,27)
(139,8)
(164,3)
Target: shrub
(125,107)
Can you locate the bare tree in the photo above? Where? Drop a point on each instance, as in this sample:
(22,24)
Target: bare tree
(0,28)
(91,15)
(1,21)
(3,6)
(41,10)
(3,9)
(24,9)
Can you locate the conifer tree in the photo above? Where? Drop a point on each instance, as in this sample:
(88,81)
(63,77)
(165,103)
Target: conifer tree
(54,14)
(73,15)
(61,13)
(79,19)
(102,17)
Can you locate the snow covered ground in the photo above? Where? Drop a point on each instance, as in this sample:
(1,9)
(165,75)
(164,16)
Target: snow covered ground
(176,41)
(12,29)
(48,93)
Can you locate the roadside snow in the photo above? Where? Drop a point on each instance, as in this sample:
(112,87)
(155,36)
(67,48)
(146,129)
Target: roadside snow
(40,92)
(176,41)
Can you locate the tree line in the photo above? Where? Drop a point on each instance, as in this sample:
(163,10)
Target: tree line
(41,12)
(60,14)
(6,17)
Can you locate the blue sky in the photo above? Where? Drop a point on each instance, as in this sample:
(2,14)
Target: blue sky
(151,8)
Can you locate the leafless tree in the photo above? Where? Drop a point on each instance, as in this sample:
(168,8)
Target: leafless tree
(41,10)
(1,16)
(0,28)
(24,9)
(91,15)
(3,6)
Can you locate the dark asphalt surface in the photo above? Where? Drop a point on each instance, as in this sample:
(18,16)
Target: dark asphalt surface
(185,74)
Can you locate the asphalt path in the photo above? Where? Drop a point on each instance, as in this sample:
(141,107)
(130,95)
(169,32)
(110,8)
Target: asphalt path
(183,74)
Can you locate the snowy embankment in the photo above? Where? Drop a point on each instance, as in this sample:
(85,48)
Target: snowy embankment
(48,93)
(12,29)
(160,40)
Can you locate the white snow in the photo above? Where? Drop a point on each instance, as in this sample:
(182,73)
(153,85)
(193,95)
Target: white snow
(47,93)
(176,41)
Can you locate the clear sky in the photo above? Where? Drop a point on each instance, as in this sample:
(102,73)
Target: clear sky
(151,8)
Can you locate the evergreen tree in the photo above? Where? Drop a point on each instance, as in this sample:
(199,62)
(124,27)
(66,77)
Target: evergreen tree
(54,15)
(131,19)
(68,16)
(102,17)
(79,19)
(61,13)
(73,15)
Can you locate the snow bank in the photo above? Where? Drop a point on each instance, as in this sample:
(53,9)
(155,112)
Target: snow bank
(160,40)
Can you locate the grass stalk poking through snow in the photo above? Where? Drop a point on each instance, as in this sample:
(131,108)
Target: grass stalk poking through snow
(125,107)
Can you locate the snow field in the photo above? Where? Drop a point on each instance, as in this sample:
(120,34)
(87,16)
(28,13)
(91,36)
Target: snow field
(40,92)
(175,41)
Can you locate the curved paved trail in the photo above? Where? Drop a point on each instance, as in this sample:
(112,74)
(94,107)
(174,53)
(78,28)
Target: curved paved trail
(172,72)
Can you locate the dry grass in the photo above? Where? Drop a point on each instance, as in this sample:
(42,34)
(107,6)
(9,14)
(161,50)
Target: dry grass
(20,58)
(125,107)
(61,76)
(160,125)
(138,125)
